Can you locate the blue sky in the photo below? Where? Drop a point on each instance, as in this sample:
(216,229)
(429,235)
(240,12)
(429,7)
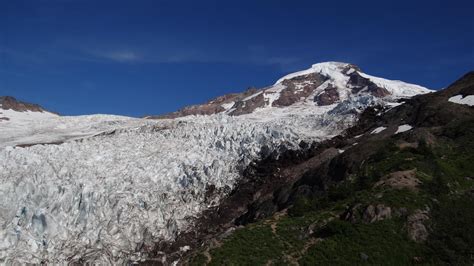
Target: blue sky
(154,56)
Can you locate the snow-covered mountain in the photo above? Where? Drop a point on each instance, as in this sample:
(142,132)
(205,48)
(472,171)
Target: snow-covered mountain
(321,85)
(117,186)
(26,124)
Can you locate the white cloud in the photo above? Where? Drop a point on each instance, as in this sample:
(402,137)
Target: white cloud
(119,56)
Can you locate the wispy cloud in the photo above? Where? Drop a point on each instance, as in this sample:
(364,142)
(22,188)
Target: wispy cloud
(192,55)
(64,52)
(146,55)
(124,56)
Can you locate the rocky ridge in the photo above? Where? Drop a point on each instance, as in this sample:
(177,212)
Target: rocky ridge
(10,103)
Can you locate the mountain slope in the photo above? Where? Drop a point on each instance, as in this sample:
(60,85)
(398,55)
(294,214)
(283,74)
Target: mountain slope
(12,109)
(117,189)
(26,124)
(397,188)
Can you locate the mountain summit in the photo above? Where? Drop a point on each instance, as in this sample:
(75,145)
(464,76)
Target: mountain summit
(321,85)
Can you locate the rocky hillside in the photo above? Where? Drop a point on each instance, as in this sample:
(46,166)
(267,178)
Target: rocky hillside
(397,188)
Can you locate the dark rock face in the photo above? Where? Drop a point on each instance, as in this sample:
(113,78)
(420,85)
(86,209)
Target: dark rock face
(248,106)
(299,88)
(215,106)
(360,83)
(464,86)
(351,68)
(434,109)
(201,110)
(205,109)
(10,103)
(328,97)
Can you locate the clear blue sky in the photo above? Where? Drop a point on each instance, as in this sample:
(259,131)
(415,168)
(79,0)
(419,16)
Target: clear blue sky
(154,56)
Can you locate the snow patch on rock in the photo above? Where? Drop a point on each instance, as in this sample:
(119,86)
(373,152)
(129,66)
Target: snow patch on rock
(467,100)
(403,128)
(227,106)
(378,130)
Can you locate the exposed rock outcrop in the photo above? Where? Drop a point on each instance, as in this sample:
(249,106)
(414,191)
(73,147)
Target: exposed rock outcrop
(399,180)
(376,213)
(328,97)
(299,88)
(360,83)
(416,227)
(10,103)
(248,105)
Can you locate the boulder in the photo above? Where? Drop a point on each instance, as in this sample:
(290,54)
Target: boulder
(376,213)
(417,231)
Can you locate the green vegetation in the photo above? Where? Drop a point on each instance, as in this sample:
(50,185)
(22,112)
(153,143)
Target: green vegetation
(381,243)
(452,237)
(260,245)
(266,241)
(312,233)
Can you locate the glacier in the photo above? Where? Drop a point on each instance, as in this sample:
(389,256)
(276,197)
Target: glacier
(103,198)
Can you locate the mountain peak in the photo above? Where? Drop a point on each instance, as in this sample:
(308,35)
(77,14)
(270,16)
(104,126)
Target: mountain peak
(323,84)
(330,68)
